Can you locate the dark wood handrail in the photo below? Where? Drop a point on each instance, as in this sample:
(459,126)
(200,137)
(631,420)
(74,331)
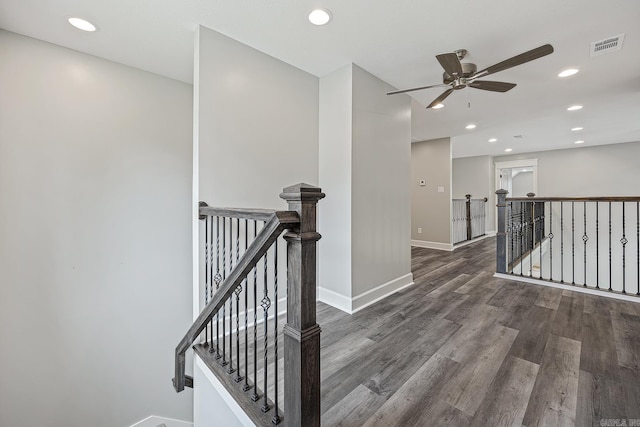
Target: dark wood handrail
(277,222)
(242,213)
(575,199)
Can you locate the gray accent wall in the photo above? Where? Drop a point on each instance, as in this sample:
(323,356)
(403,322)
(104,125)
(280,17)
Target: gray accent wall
(95,254)
(605,170)
(430,209)
(474,175)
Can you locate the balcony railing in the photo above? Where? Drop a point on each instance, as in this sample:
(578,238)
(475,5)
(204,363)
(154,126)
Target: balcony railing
(468,219)
(273,372)
(589,242)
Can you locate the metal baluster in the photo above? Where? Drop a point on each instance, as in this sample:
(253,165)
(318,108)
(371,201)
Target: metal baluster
(550,241)
(638,247)
(624,242)
(255,396)
(218,279)
(561,242)
(609,245)
(230,369)
(237,292)
(541,236)
(276,417)
(212,278)
(266,303)
(584,239)
(523,229)
(597,245)
(224,306)
(206,275)
(573,245)
(512,232)
(246,386)
(532,231)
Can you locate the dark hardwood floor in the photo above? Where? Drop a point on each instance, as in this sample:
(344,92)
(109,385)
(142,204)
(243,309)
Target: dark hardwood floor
(462,348)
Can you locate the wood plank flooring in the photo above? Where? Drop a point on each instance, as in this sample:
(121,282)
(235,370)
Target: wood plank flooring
(462,348)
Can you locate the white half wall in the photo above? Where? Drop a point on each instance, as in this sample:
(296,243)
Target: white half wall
(95,258)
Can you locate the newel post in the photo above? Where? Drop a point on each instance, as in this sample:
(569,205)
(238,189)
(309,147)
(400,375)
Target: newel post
(501,234)
(469,231)
(302,333)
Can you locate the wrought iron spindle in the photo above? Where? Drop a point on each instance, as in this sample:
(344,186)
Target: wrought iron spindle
(276,416)
(230,369)
(211,276)
(255,396)
(561,242)
(532,231)
(224,276)
(610,246)
(246,386)
(237,292)
(206,275)
(624,242)
(597,245)
(522,232)
(550,241)
(512,232)
(584,239)
(217,279)
(573,244)
(266,303)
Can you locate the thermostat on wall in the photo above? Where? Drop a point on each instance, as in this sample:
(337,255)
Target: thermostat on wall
(423,183)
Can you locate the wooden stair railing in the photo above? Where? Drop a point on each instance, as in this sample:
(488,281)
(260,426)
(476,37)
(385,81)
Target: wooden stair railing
(301,332)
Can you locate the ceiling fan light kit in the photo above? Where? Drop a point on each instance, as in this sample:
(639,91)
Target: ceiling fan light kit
(458,75)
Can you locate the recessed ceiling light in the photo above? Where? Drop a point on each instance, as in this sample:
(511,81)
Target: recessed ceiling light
(574,108)
(320,16)
(508,150)
(568,72)
(579,142)
(493,140)
(82,24)
(470,126)
(438,106)
(577,128)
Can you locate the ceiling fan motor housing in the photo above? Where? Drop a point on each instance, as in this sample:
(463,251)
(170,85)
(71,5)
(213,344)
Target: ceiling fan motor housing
(468,69)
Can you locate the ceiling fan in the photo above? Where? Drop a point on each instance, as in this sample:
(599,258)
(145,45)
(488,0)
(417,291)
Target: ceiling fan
(458,75)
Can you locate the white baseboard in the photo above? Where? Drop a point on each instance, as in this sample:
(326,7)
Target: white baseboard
(477,239)
(380,292)
(334,299)
(581,289)
(432,245)
(155,421)
(357,303)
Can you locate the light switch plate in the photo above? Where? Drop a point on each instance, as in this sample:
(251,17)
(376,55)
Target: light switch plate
(440,189)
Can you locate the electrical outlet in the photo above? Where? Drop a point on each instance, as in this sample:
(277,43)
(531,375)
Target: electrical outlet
(419,230)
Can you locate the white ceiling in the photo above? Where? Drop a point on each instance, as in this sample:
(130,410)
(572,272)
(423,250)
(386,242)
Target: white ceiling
(397,41)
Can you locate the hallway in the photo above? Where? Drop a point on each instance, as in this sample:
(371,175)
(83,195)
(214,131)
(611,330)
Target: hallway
(461,347)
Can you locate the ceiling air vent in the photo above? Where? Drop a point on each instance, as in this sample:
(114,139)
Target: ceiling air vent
(607,45)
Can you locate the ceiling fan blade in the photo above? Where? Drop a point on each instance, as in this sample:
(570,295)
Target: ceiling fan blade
(450,63)
(492,86)
(441,98)
(536,53)
(415,88)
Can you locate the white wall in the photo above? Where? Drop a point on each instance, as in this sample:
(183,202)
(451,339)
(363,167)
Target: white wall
(364,168)
(381,172)
(430,209)
(605,170)
(95,260)
(474,175)
(334,212)
(258,124)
